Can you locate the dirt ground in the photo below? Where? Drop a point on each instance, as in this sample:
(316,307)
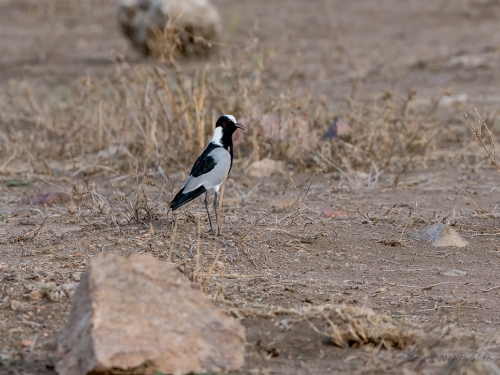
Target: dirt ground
(276,249)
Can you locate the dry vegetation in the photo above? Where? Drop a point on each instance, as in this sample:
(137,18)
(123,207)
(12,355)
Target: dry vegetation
(155,117)
(115,145)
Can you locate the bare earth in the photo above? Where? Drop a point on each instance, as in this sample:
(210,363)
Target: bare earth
(276,250)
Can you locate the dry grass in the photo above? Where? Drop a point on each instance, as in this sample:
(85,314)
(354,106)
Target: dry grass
(344,325)
(385,136)
(156,119)
(477,130)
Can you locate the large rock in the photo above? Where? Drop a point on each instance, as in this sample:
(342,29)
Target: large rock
(195,25)
(142,316)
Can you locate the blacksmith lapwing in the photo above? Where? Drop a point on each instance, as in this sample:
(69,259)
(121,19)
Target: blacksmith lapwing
(211,168)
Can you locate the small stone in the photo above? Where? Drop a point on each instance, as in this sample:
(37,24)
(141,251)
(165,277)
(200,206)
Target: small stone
(265,168)
(283,202)
(16,305)
(440,234)
(453,273)
(26,343)
(76,276)
(329,214)
(468,61)
(451,100)
(112,151)
(35,295)
(68,289)
(139,315)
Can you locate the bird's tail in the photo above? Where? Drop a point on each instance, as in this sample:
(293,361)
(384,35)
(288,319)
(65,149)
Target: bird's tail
(182,198)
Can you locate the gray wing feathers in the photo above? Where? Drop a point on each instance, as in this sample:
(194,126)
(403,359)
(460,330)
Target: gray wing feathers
(216,176)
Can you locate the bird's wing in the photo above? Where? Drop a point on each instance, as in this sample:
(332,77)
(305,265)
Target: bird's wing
(209,170)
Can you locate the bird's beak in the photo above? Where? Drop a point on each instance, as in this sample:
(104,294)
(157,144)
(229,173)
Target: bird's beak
(240,126)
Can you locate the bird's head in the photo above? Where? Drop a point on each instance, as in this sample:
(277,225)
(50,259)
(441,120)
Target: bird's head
(224,128)
(228,124)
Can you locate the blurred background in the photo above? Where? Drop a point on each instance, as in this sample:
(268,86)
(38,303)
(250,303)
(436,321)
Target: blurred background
(286,68)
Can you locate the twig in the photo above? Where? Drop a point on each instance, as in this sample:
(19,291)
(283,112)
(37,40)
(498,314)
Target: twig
(33,324)
(12,157)
(435,308)
(103,246)
(172,242)
(211,270)
(444,282)
(197,268)
(477,133)
(35,233)
(32,348)
(489,290)
(60,187)
(116,225)
(177,255)
(334,166)
(247,253)
(475,204)
(233,275)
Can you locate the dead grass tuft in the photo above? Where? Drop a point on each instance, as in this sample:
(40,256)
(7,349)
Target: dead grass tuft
(346,326)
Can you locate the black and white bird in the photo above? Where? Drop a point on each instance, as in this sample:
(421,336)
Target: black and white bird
(211,168)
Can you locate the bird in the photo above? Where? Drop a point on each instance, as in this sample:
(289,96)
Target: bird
(211,168)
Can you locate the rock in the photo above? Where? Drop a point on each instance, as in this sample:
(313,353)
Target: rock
(328,214)
(69,289)
(441,235)
(265,168)
(112,151)
(16,305)
(192,26)
(35,295)
(453,273)
(338,128)
(468,61)
(451,100)
(26,343)
(76,276)
(142,316)
(282,202)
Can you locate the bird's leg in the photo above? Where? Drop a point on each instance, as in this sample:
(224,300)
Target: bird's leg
(216,216)
(208,213)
